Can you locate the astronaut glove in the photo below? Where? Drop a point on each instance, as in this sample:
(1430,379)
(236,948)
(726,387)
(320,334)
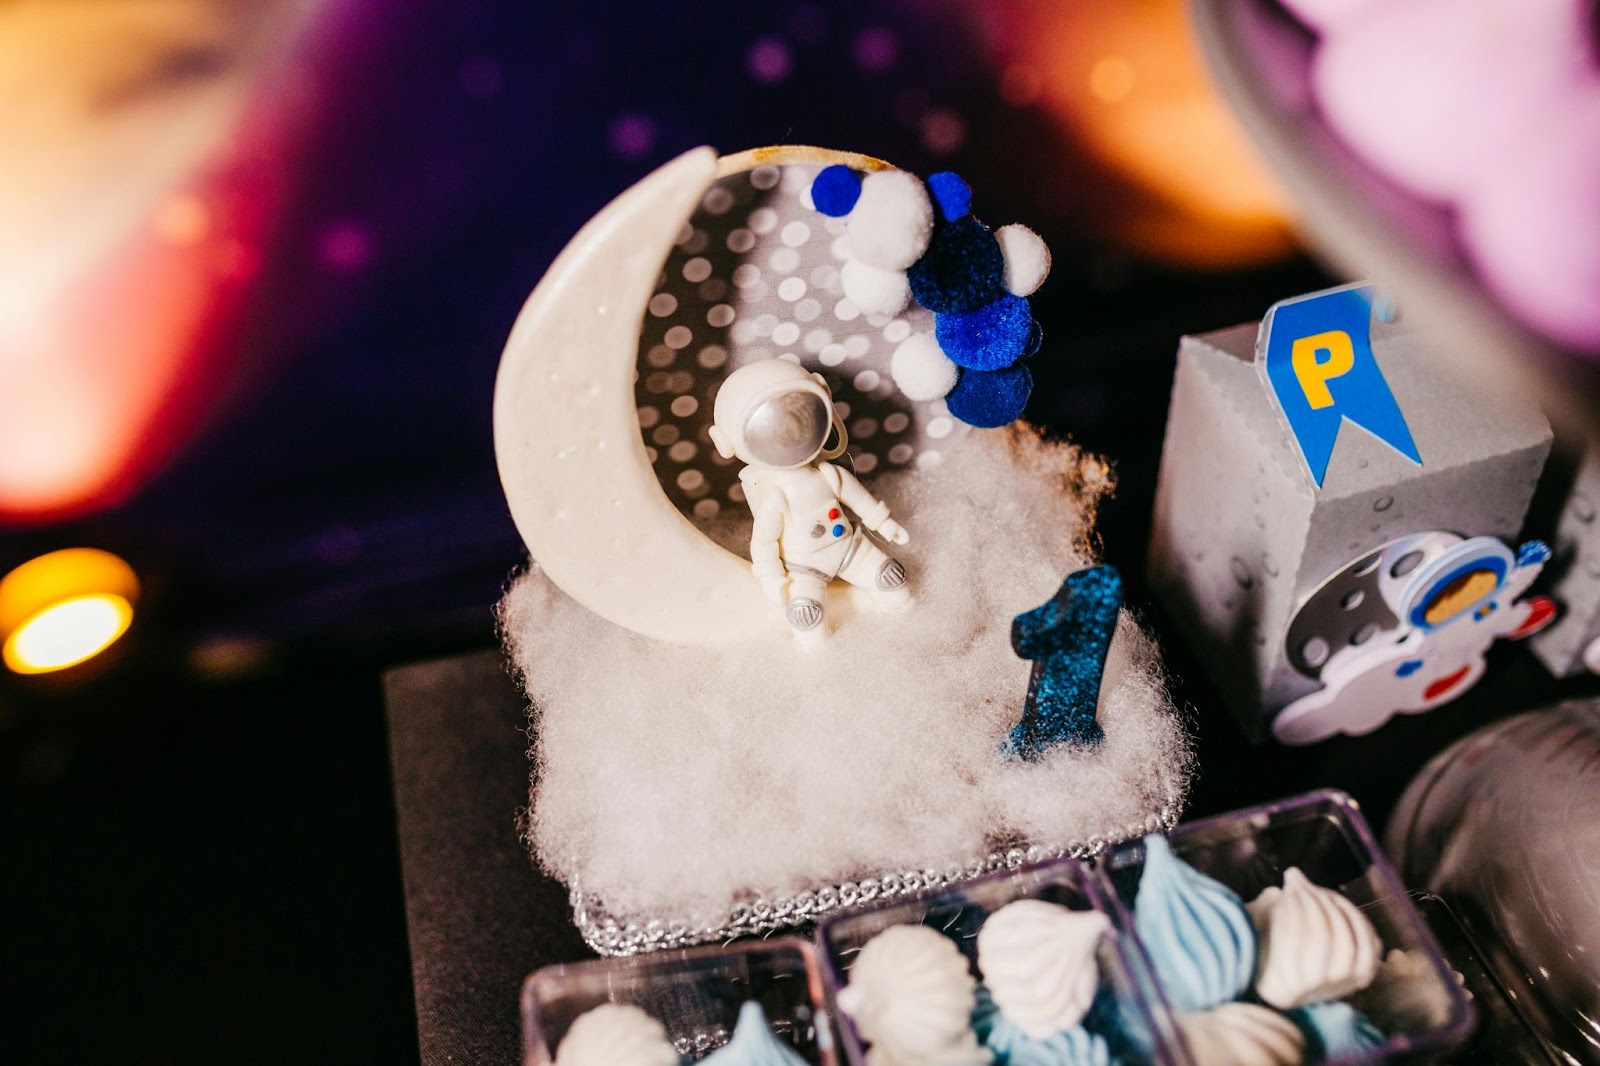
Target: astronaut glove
(892,531)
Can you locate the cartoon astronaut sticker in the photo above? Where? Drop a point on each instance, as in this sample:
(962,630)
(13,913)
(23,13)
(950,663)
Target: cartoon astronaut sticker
(779,420)
(1405,629)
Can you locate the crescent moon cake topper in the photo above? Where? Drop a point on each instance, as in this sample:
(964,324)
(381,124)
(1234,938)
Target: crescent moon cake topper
(760,405)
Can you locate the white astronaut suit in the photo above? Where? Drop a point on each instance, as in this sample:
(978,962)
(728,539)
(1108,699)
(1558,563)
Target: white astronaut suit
(778,419)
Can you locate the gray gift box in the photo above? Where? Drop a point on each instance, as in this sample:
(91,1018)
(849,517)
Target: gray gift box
(1243,535)
(1572,645)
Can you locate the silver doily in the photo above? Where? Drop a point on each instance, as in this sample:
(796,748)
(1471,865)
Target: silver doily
(618,935)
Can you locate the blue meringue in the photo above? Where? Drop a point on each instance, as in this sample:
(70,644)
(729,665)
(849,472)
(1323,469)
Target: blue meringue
(1336,1029)
(753,1043)
(1012,1047)
(1196,930)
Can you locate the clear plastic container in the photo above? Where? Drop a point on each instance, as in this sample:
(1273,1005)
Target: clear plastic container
(960,913)
(1324,834)
(695,994)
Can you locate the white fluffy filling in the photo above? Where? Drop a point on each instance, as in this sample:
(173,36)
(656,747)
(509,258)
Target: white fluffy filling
(676,780)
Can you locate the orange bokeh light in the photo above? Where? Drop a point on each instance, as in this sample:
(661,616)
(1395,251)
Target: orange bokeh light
(1125,80)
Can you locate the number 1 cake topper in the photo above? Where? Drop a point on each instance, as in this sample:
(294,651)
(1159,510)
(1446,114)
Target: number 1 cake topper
(1315,357)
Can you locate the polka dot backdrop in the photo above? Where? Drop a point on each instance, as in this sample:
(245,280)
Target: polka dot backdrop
(755,275)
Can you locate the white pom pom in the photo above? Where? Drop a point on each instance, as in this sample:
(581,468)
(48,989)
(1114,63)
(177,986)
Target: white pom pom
(876,292)
(1026,256)
(920,368)
(890,225)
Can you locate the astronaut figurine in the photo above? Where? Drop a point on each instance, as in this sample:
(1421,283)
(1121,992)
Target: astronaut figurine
(779,420)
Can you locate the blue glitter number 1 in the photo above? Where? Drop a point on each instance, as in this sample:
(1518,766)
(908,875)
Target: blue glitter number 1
(1067,638)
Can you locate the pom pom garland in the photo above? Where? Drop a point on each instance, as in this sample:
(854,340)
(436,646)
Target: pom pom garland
(835,190)
(989,399)
(952,193)
(891,221)
(992,337)
(962,270)
(874,291)
(1027,259)
(921,370)
(973,279)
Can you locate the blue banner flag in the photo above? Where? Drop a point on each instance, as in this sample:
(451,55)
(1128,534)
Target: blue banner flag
(1315,354)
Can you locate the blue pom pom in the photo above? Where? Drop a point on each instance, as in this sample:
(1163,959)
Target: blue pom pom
(962,270)
(951,193)
(993,336)
(990,398)
(835,190)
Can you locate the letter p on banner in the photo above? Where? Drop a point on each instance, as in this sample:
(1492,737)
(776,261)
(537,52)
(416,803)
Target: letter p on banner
(1314,373)
(1315,357)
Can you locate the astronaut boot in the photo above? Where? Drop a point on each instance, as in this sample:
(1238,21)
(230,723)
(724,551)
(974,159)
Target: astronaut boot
(893,590)
(805,610)
(872,568)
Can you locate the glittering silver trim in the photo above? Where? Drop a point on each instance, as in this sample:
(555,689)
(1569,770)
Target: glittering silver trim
(619,935)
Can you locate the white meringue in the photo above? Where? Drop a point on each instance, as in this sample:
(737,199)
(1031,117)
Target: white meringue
(1038,961)
(1242,1034)
(1407,994)
(1316,945)
(911,997)
(615,1034)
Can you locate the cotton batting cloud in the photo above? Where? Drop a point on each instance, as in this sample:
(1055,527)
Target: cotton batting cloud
(674,782)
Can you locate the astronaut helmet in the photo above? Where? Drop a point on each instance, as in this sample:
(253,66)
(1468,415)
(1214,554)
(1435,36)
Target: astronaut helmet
(776,415)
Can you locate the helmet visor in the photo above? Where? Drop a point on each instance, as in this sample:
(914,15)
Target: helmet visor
(788,429)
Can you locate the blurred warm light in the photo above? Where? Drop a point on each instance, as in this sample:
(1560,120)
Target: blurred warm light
(64,608)
(1126,80)
(1111,79)
(140,142)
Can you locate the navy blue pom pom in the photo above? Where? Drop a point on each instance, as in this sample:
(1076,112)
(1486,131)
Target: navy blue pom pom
(962,269)
(835,190)
(990,398)
(952,194)
(993,336)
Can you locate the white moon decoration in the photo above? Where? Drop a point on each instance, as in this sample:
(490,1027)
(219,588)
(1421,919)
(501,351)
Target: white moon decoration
(575,468)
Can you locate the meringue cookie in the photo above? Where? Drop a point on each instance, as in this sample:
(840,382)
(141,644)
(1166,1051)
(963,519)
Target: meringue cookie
(1038,962)
(1316,945)
(615,1034)
(1406,996)
(754,1043)
(911,997)
(1242,1034)
(1013,1047)
(1336,1029)
(1195,928)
